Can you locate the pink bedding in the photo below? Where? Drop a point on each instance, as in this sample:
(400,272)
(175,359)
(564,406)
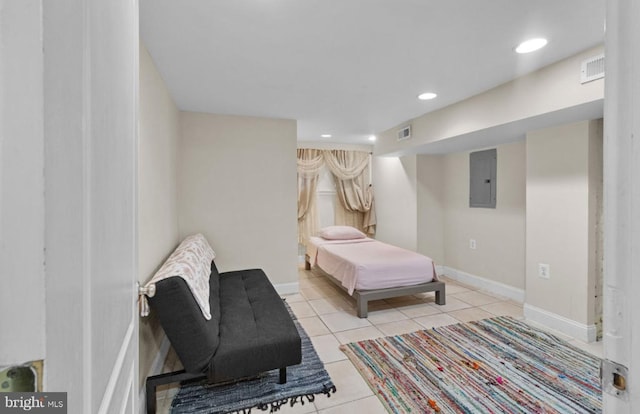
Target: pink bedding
(365,264)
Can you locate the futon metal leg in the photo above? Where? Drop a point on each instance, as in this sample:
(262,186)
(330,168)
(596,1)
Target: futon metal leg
(151,398)
(283,376)
(168,378)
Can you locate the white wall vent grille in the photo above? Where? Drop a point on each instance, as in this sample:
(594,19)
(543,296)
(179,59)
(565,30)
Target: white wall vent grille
(592,69)
(404,133)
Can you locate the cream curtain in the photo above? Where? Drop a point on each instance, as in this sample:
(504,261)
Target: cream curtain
(310,161)
(346,165)
(350,170)
(351,175)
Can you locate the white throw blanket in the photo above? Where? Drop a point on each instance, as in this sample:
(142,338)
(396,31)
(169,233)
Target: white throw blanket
(191,260)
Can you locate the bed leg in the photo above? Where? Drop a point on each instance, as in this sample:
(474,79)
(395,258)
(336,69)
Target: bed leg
(440,296)
(307,262)
(362,307)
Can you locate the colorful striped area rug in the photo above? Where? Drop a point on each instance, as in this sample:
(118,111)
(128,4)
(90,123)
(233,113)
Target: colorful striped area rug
(497,365)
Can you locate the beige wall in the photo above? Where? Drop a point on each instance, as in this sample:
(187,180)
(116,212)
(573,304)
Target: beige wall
(157,191)
(563,180)
(549,210)
(499,232)
(550,89)
(395,183)
(430,212)
(553,88)
(335,145)
(237,185)
(248,214)
(423,204)
(544,213)
(157,169)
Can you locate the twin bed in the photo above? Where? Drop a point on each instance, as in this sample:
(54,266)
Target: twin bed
(368,269)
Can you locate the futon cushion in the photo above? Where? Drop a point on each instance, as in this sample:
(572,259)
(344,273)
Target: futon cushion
(194,338)
(256,331)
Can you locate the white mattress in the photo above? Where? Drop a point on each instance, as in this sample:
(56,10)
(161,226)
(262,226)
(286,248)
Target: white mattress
(366,264)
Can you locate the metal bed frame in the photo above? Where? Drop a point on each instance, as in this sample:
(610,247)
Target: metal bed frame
(364,296)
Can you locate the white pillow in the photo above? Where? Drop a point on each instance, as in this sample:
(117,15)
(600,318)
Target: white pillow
(341,233)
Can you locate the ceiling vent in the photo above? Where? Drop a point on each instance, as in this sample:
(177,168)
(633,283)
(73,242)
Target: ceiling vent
(592,69)
(404,133)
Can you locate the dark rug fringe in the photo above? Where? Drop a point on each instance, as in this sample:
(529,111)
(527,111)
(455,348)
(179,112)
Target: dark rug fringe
(275,405)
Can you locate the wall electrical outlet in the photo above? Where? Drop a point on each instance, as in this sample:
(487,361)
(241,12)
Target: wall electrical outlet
(472,244)
(544,271)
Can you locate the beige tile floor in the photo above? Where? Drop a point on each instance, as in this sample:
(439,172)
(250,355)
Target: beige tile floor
(328,315)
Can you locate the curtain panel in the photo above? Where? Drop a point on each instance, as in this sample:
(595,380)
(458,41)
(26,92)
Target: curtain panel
(310,161)
(350,170)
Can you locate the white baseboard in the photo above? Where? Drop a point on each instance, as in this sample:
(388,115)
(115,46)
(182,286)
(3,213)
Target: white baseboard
(156,368)
(287,288)
(566,326)
(440,270)
(487,285)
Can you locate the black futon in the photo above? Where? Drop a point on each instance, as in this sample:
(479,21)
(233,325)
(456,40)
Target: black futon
(250,330)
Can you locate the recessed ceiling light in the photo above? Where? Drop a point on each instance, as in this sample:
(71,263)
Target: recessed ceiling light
(326,135)
(372,138)
(531,45)
(426,96)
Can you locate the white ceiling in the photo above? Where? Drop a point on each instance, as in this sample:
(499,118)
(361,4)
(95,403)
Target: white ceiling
(352,68)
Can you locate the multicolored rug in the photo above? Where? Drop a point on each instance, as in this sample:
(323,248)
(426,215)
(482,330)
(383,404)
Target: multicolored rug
(494,365)
(304,382)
